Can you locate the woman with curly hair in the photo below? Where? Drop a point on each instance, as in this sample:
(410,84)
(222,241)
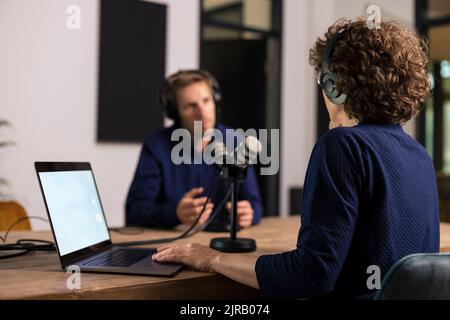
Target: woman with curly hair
(370,195)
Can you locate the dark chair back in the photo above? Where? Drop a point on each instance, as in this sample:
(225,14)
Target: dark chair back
(417,277)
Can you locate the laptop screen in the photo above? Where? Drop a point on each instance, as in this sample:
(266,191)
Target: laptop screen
(74,208)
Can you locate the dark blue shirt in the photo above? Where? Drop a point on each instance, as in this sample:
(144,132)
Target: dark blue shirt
(159,184)
(370,198)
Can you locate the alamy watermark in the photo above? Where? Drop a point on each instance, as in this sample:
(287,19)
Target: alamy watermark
(374,20)
(74,279)
(73,21)
(220,147)
(374,280)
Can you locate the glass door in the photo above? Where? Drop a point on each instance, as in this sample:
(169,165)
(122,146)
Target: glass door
(433,130)
(241,46)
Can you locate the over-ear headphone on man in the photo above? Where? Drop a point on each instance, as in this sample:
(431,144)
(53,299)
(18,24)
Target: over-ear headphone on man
(167,93)
(327,78)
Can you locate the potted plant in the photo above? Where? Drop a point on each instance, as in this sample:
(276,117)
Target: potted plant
(10,211)
(3,181)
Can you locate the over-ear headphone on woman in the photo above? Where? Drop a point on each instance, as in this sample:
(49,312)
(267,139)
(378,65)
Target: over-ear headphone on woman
(327,78)
(168,91)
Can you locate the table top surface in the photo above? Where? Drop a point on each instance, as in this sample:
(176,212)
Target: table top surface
(39,275)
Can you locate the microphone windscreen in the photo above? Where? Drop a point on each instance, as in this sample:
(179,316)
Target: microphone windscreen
(247,151)
(253,146)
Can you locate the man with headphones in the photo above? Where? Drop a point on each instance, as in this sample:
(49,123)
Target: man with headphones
(164,194)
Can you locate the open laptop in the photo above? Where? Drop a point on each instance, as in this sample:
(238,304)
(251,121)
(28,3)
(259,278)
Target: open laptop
(79,227)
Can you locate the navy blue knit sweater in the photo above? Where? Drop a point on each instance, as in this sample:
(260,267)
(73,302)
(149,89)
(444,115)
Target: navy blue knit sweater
(370,198)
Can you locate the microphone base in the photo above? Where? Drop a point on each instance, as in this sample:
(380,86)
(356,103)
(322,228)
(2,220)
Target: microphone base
(239,245)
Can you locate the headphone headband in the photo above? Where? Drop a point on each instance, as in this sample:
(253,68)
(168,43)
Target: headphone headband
(328,51)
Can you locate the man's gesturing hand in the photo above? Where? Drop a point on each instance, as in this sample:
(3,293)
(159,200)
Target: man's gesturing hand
(244,213)
(190,207)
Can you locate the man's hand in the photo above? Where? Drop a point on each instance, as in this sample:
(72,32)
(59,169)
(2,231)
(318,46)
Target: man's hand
(244,213)
(190,207)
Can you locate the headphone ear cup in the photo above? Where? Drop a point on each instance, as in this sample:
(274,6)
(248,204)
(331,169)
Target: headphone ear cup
(170,112)
(327,84)
(328,78)
(217,96)
(339,98)
(217,93)
(164,100)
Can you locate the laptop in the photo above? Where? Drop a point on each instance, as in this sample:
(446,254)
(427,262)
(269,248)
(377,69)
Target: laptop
(79,226)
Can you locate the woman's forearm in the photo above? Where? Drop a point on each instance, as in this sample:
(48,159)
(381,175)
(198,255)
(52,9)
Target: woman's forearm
(238,267)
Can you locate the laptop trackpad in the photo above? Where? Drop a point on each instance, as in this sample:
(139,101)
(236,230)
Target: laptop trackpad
(162,268)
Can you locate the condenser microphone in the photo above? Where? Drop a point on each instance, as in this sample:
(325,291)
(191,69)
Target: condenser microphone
(241,157)
(245,153)
(233,170)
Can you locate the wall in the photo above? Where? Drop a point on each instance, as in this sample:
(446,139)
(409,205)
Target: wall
(48,91)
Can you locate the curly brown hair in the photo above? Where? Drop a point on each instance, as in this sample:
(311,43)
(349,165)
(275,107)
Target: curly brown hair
(382,71)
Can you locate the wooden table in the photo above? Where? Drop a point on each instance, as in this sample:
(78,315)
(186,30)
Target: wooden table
(39,275)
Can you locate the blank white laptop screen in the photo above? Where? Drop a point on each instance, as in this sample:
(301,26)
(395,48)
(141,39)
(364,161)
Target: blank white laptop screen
(74,208)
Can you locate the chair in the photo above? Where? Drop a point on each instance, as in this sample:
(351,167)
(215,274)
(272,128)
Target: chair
(417,277)
(10,212)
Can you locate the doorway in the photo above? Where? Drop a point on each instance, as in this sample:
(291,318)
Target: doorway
(241,47)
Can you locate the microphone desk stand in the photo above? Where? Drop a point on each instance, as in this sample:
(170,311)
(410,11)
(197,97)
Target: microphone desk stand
(233,244)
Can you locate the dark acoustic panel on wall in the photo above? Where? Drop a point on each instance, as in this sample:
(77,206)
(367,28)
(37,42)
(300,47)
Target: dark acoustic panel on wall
(132,68)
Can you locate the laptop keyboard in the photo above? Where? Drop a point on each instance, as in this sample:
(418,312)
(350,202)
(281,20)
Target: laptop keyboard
(119,258)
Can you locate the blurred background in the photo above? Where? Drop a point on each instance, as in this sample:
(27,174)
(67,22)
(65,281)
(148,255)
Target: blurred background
(85,90)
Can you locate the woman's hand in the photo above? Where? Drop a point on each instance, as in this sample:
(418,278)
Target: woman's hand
(238,267)
(193,255)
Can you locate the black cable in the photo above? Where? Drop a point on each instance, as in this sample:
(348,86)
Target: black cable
(185,234)
(17,222)
(215,212)
(24,245)
(13,255)
(212,216)
(29,244)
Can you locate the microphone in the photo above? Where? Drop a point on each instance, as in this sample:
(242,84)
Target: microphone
(241,157)
(246,152)
(233,170)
